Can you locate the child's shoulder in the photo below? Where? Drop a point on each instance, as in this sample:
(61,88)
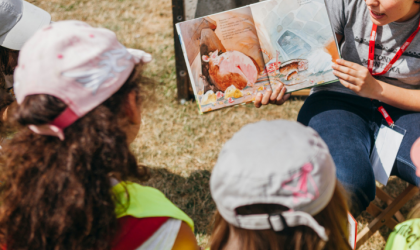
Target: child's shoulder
(144,202)
(130,192)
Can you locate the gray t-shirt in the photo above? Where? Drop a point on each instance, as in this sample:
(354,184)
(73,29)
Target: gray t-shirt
(351,18)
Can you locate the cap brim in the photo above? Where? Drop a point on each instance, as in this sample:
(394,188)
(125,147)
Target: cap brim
(415,153)
(33,18)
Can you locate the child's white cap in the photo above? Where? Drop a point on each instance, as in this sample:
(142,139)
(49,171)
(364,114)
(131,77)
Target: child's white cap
(19,20)
(277,162)
(81,65)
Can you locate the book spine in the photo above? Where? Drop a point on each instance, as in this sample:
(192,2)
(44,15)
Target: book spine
(178,29)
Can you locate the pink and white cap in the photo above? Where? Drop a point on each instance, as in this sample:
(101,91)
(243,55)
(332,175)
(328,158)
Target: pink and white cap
(81,65)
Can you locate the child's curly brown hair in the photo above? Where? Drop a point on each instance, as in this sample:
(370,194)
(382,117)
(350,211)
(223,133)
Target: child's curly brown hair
(57,194)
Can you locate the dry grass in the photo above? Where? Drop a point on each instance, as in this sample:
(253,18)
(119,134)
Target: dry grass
(180,145)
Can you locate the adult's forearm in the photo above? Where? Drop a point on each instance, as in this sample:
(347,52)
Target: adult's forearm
(406,99)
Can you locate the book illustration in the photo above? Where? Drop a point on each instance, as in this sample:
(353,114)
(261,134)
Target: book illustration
(230,68)
(226,65)
(272,67)
(297,42)
(234,55)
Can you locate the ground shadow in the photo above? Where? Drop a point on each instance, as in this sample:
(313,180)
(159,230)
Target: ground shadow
(190,194)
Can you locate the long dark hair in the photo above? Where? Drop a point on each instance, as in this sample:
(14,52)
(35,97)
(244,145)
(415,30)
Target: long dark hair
(57,194)
(8,60)
(333,218)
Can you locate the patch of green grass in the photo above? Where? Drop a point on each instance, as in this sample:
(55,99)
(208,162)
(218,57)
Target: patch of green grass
(67,7)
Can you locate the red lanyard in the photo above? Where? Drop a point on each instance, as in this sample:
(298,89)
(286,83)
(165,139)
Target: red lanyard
(385,114)
(397,56)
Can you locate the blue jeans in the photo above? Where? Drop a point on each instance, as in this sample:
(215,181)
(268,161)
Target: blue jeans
(348,125)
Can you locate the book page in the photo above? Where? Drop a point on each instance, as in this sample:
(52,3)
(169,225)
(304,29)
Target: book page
(297,42)
(224,58)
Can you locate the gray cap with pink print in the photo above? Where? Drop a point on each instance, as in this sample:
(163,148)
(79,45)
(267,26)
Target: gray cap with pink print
(274,162)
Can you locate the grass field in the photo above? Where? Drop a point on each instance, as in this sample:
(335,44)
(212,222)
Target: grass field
(179,145)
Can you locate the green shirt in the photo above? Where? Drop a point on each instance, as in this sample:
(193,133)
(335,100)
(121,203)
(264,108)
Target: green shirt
(146,202)
(405,236)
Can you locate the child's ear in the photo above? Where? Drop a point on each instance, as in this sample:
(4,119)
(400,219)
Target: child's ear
(132,109)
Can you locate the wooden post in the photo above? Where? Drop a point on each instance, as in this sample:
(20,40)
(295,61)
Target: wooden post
(182,79)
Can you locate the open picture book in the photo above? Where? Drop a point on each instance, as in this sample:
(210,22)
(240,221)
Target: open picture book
(234,55)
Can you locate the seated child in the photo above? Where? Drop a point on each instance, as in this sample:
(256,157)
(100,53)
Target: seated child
(78,93)
(275,188)
(406,235)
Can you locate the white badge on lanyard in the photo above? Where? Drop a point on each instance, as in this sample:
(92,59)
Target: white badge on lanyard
(387,144)
(389,139)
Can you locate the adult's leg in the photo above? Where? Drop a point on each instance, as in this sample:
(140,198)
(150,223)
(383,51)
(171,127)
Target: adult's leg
(343,122)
